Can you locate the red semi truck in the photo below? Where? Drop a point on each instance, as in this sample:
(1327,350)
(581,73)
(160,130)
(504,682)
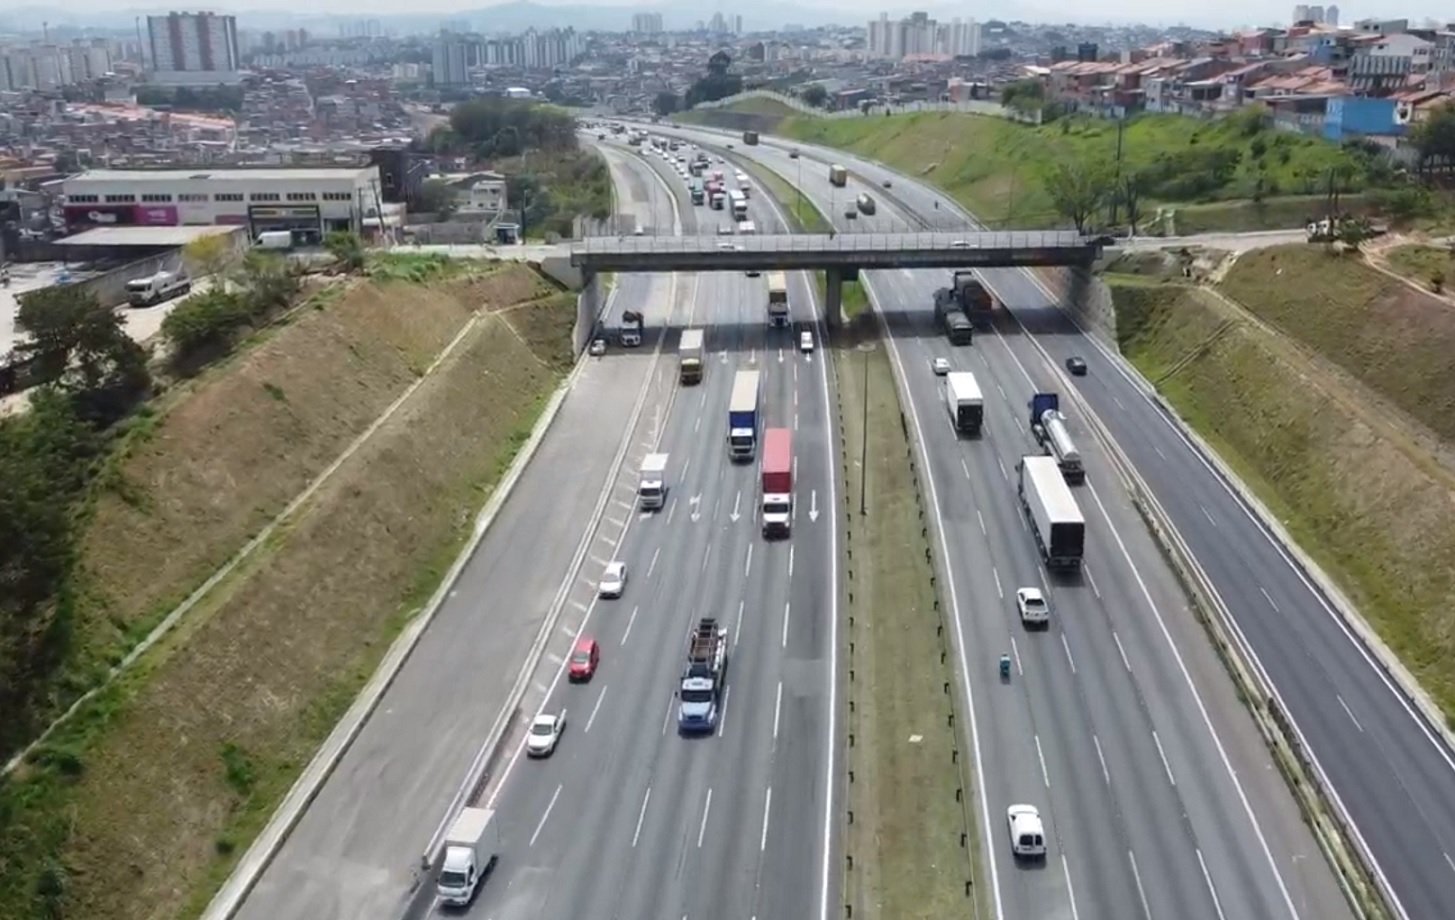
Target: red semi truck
(777,481)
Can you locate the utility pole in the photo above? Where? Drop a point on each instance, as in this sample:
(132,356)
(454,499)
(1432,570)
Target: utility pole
(864,427)
(1117,180)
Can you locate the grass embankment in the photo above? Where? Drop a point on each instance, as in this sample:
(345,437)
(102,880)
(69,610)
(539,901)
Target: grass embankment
(555,187)
(1429,266)
(138,805)
(909,797)
(1369,505)
(997,168)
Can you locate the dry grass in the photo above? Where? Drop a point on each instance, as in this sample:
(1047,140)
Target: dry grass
(1374,510)
(1398,342)
(145,798)
(1428,266)
(905,839)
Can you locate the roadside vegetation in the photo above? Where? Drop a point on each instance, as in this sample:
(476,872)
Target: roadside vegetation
(136,804)
(1232,173)
(1309,418)
(550,179)
(910,846)
(1429,266)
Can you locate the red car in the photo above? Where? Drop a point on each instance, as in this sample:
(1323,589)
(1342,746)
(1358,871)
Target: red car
(584,660)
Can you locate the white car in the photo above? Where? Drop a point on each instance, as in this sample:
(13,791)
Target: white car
(1033,608)
(613,580)
(962,244)
(941,366)
(545,734)
(598,347)
(805,342)
(724,229)
(729,247)
(1027,836)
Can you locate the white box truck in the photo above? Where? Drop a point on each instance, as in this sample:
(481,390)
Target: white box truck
(471,849)
(689,356)
(652,486)
(143,292)
(275,239)
(1056,521)
(743,416)
(964,401)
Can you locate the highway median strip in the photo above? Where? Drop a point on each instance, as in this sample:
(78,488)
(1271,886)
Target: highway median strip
(909,845)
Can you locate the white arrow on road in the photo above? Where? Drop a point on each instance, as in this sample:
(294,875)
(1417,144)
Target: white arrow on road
(753,356)
(695,502)
(813,505)
(736,501)
(723,355)
(780,356)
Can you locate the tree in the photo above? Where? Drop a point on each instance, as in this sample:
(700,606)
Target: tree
(209,255)
(1434,138)
(204,320)
(437,196)
(346,246)
(717,83)
(83,347)
(1353,231)
(666,103)
(268,282)
(505,127)
(1023,96)
(1076,190)
(1129,192)
(815,95)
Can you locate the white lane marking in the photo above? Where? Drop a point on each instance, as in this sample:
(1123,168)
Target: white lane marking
(1207,514)
(996,574)
(1067,646)
(1091,581)
(748,565)
(767,806)
(738,629)
(1211,888)
(1016,651)
(1070,892)
(1119,404)
(1163,754)
(722,711)
(1003,474)
(1003,397)
(1045,777)
(790,561)
(632,619)
(1159,451)
(706,810)
(671,510)
(1448,861)
(787,609)
(981,518)
(599,561)
(636,835)
(580,606)
(777,708)
(615,522)
(706,551)
(1141,892)
(1125,662)
(967,476)
(542,822)
(667,716)
(568,630)
(625,504)
(697,425)
(795,421)
(1349,712)
(594,709)
(651,568)
(1105,773)
(1269,599)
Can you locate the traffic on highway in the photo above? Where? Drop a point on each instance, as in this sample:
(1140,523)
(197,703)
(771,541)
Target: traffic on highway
(654,734)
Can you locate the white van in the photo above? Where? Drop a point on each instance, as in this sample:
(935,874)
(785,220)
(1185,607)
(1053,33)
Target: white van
(747,228)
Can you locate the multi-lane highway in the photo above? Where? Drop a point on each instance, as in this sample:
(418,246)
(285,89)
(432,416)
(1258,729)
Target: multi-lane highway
(1119,724)
(627,819)
(1392,773)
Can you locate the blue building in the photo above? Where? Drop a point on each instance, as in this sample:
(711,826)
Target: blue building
(1347,117)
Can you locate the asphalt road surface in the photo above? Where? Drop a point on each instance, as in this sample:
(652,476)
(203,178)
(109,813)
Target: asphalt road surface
(1118,723)
(353,853)
(627,818)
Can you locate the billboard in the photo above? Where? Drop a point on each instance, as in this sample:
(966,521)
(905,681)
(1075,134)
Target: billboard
(86,216)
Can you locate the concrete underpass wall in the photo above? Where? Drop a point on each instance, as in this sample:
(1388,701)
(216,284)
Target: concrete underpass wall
(1086,297)
(589,307)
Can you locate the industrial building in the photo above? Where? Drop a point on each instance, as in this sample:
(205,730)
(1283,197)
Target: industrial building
(309,202)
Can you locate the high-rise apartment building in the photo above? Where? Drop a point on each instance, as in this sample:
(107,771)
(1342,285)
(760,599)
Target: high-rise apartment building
(919,34)
(647,23)
(451,61)
(192,43)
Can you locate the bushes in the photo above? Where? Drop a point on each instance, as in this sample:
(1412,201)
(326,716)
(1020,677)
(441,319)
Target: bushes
(205,320)
(203,325)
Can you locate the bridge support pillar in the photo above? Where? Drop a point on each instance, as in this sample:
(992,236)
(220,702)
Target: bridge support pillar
(589,305)
(833,300)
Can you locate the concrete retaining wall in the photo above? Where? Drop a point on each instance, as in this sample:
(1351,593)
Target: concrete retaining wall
(589,307)
(1086,297)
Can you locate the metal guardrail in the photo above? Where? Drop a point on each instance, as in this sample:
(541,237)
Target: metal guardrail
(846,243)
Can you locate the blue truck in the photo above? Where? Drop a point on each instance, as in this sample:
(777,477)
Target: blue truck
(743,416)
(703,680)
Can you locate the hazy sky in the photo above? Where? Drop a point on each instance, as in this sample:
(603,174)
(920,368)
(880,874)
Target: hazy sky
(1225,14)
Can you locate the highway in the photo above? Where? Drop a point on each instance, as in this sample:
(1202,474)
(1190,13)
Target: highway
(354,852)
(627,818)
(1119,724)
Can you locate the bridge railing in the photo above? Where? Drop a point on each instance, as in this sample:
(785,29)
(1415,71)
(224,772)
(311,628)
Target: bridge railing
(846,243)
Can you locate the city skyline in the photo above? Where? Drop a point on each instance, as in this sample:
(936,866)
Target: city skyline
(756,16)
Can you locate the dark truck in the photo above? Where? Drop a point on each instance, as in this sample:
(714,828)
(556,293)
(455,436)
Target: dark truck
(968,294)
(750,138)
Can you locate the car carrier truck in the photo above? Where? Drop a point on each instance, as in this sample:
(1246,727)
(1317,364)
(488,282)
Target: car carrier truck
(703,679)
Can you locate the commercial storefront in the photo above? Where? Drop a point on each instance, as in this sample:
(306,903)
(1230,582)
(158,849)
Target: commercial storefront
(309,202)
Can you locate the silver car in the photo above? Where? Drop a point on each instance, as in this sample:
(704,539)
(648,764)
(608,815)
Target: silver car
(545,734)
